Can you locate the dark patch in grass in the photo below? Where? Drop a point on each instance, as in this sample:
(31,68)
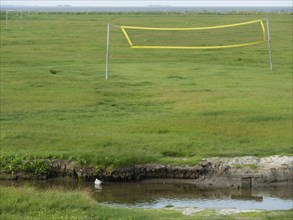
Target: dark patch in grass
(265,118)
(213,113)
(163,131)
(126,106)
(232,86)
(53,71)
(195,68)
(172,153)
(136,84)
(176,77)
(205,90)
(189,90)
(191,84)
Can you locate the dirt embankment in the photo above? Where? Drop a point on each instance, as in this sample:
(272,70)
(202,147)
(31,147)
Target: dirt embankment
(217,172)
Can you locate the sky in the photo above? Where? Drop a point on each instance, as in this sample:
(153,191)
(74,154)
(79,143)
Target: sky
(121,3)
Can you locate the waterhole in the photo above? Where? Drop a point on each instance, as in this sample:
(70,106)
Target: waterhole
(160,194)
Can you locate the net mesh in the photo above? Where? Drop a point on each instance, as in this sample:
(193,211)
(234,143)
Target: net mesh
(234,35)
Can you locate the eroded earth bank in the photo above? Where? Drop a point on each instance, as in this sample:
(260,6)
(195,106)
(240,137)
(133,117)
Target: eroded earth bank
(241,172)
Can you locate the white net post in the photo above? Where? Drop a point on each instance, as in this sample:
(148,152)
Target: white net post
(107,51)
(269,43)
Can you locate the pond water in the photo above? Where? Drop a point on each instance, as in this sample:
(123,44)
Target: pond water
(161,195)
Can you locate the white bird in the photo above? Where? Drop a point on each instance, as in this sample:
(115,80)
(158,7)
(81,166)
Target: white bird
(98,182)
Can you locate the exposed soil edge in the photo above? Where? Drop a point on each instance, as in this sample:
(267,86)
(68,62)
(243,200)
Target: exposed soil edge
(244,172)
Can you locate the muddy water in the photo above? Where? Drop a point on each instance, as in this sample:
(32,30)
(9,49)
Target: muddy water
(160,195)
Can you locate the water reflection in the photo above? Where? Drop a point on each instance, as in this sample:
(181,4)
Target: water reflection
(98,188)
(160,194)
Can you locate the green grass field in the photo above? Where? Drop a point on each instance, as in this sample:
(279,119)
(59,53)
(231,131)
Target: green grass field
(157,106)
(162,106)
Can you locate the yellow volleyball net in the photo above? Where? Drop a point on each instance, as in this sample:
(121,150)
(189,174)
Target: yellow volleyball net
(213,37)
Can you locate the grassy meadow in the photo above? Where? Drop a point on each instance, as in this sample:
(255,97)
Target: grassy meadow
(163,106)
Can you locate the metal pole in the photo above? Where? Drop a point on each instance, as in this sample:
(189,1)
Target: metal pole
(107,51)
(269,43)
